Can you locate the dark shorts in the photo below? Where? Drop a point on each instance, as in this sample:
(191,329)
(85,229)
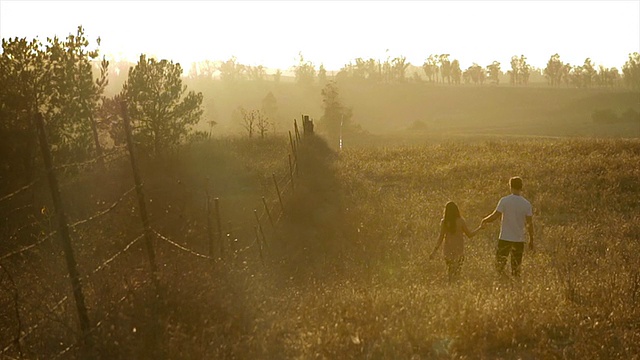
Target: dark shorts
(506,249)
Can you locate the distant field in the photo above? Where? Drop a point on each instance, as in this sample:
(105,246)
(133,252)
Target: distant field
(422,109)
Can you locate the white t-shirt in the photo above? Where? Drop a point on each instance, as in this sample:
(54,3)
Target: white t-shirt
(514,209)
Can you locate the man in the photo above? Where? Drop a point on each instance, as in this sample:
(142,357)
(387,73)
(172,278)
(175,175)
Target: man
(515,212)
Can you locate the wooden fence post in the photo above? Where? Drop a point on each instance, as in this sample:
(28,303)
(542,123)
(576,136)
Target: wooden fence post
(266,209)
(295,126)
(293,188)
(275,181)
(259,244)
(63,229)
(216,202)
(209,225)
(148,234)
(293,146)
(264,238)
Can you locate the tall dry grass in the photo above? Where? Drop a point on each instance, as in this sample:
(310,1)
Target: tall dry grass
(347,274)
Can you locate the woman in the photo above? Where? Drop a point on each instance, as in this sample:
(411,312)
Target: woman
(452,231)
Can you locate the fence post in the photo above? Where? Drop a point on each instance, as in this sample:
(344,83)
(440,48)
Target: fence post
(295,126)
(264,238)
(63,229)
(275,181)
(148,235)
(96,140)
(216,202)
(266,209)
(209,225)
(293,188)
(259,245)
(293,146)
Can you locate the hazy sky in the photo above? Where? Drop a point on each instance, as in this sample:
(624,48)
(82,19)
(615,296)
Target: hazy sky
(334,33)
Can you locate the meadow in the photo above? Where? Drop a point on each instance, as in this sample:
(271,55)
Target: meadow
(346,274)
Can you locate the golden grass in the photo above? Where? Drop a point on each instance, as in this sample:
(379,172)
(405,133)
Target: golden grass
(347,274)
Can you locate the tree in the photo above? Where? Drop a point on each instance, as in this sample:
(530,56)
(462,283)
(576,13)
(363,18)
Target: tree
(494,72)
(399,67)
(322,75)
(160,108)
(277,76)
(430,68)
(55,79)
(231,71)
(336,118)
(256,73)
(631,71)
(262,122)
(607,76)
(253,121)
(445,67)
(456,72)
(270,107)
(588,72)
(475,73)
(520,70)
(554,70)
(305,72)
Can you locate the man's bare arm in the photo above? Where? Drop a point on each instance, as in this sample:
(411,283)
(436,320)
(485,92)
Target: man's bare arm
(493,217)
(530,231)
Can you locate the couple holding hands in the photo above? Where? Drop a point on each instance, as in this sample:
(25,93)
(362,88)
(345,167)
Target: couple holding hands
(515,213)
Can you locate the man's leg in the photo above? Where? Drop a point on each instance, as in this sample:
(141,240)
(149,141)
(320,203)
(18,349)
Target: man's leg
(502,253)
(516,258)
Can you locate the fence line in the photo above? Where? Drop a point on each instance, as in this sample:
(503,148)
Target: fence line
(109,260)
(98,324)
(28,247)
(261,216)
(62,167)
(93,160)
(9,196)
(103,212)
(72,226)
(181,247)
(65,298)
(32,328)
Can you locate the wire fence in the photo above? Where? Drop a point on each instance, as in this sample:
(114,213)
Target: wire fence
(267,216)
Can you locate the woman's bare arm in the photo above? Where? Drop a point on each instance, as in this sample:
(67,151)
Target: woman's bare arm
(468,232)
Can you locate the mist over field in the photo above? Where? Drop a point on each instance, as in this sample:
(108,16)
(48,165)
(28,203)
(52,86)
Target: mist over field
(226,213)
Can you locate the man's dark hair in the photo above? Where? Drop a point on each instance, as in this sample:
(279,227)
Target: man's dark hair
(515,183)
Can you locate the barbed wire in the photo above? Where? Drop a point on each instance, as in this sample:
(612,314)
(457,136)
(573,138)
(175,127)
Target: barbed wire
(18,209)
(9,196)
(72,226)
(92,161)
(284,182)
(109,260)
(103,212)
(28,247)
(34,327)
(94,328)
(180,246)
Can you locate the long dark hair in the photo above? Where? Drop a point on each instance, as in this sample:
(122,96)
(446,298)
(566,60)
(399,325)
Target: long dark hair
(451,215)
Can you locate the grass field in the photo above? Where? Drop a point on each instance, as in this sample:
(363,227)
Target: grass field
(347,275)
